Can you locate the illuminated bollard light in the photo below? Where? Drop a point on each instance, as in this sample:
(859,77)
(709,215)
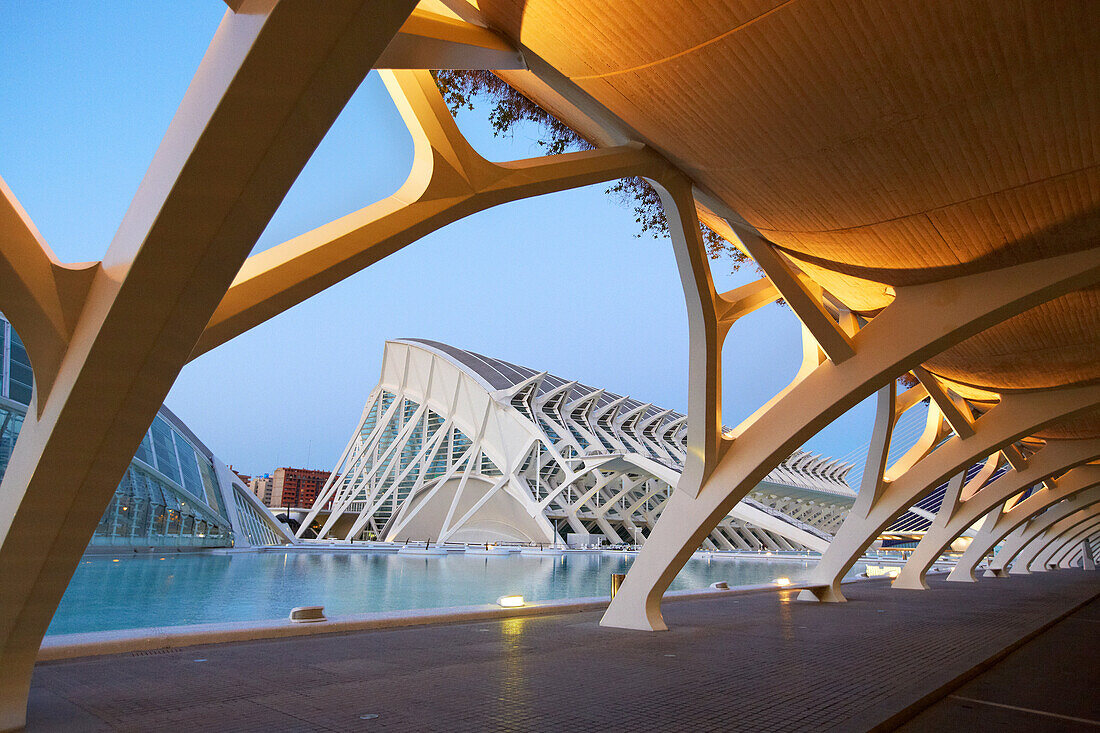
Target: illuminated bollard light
(307,614)
(616,582)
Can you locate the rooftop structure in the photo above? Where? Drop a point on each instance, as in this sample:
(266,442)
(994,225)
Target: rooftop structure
(456,446)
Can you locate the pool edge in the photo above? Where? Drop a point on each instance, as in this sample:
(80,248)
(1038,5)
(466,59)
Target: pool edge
(99,643)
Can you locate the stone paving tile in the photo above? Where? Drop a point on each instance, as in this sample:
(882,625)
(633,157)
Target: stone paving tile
(760,662)
(960,715)
(1032,678)
(1049,682)
(56,714)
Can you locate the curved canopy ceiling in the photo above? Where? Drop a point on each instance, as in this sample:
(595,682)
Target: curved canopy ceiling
(877,143)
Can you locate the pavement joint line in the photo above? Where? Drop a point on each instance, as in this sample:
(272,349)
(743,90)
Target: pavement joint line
(928,700)
(1033,711)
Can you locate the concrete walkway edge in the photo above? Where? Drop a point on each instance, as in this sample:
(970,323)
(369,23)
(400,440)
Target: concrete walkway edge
(884,717)
(98,643)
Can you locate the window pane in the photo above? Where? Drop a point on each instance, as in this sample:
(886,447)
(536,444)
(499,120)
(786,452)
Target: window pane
(165,450)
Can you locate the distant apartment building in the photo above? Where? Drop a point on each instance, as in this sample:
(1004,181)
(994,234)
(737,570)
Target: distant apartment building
(264,489)
(298,487)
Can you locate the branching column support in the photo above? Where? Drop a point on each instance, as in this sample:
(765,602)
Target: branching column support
(107,341)
(1021,524)
(1053,556)
(955,515)
(968,573)
(448,182)
(710,316)
(1034,554)
(932,317)
(1015,416)
(41,297)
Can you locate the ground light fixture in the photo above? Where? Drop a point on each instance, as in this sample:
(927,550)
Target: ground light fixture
(782,581)
(510,601)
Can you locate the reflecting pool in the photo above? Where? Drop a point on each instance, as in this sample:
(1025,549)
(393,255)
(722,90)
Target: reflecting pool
(171,590)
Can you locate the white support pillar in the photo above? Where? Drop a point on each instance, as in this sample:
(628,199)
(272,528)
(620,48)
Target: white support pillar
(1037,555)
(1019,526)
(269,87)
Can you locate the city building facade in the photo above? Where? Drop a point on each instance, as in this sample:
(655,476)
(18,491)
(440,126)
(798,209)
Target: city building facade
(297,488)
(263,488)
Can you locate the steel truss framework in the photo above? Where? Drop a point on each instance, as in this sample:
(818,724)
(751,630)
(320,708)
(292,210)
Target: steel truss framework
(456,446)
(107,339)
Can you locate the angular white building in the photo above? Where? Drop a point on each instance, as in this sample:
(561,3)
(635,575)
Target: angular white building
(455,446)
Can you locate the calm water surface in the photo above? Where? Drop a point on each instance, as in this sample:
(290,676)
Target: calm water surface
(174,590)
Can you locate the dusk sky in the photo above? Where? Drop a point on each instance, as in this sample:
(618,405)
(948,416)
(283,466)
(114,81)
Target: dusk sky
(559,283)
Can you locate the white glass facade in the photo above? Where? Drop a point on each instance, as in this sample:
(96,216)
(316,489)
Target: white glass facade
(170,496)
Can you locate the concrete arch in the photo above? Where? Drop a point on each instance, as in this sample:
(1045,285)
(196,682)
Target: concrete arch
(956,515)
(1016,534)
(108,339)
(1016,416)
(1034,555)
(823,391)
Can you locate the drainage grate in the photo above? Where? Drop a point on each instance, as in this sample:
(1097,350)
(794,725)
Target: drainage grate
(151,652)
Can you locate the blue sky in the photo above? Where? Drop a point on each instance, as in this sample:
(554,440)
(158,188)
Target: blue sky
(559,283)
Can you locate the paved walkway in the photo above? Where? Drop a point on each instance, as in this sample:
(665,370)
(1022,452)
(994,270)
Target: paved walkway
(1050,684)
(759,662)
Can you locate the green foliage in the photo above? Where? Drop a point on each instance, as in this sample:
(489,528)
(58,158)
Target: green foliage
(650,217)
(463,89)
(907,380)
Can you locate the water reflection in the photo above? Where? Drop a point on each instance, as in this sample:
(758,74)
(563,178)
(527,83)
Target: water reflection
(188,589)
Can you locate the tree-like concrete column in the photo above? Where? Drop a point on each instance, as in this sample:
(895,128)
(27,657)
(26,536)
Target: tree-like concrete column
(1017,530)
(1014,417)
(956,515)
(448,181)
(934,317)
(1034,555)
(276,75)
